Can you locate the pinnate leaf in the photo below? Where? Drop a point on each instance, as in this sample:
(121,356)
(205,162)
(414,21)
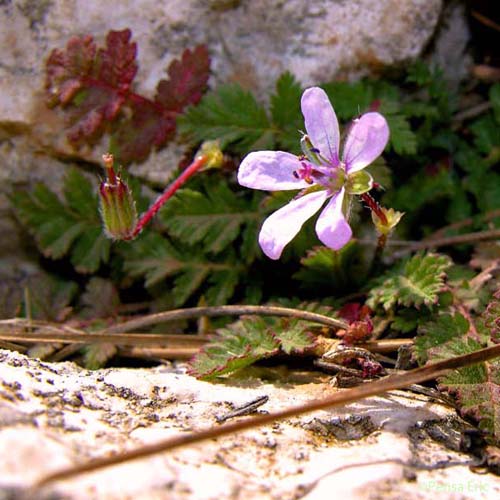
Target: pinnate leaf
(213,216)
(116,64)
(72,227)
(476,388)
(285,112)
(156,259)
(416,282)
(438,331)
(231,115)
(95,85)
(250,339)
(95,356)
(66,69)
(188,79)
(491,319)
(149,127)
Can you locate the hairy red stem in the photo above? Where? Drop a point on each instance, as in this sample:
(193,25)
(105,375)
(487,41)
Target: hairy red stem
(197,164)
(375,207)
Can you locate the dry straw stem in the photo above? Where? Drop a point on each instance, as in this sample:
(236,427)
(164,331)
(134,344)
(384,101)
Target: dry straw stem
(416,376)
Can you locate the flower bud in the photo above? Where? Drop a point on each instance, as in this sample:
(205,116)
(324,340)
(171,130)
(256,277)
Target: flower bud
(117,205)
(392,219)
(213,154)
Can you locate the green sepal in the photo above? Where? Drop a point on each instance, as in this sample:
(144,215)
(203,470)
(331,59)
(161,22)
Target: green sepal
(358,182)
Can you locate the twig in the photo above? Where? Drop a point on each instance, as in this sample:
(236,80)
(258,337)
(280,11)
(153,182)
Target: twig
(180,343)
(159,353)
(232,310)
(493,214)
(492,234)
(416,376)
(485,20)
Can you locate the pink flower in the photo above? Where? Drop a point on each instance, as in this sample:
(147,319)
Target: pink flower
(322,173)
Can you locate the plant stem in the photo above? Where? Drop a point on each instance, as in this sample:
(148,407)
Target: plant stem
(382,238)
(374,207)
(377,387)
(492,234)
(377,255)
(230,310)
(197,164)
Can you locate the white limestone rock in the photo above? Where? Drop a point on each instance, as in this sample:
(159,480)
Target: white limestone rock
(53,415)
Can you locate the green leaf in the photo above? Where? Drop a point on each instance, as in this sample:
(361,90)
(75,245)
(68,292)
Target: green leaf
(246,341)
(476,387)
(231,115)
(47,297)
(490,319)
(486,134)
(402,139)
(407,320)
(423,189)
(239,345)
(95,356)
(349,99)
(214,216)
(157,260)
(72,227)
(100,299)
(495,100)
(285,112)
(328,270)
(436,332)
(416,282)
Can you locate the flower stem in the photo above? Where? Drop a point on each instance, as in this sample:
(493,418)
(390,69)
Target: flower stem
(374,207)
(377,255)
(197,164)
(382,238)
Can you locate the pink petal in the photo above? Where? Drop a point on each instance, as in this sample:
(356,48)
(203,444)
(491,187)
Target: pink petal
(284,224)
(321,123)
(366,140)
(332,228)
(270,171)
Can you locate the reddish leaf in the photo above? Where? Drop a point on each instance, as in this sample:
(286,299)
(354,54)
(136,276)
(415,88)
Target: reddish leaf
(491,318)
(95,86)
(116,63)
(360,323)
(187,80)
(65,69)
(148,127)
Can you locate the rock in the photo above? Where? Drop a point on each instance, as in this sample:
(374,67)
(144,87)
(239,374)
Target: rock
(54,415)
(251,42)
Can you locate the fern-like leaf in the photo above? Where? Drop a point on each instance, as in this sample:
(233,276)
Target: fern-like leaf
(213,216)
(476,388)
(156,259)
(72,227)
(231,115)
(438,331)
(246,341)
(417,282)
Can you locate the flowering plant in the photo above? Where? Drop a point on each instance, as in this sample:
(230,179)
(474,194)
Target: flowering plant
(321,173)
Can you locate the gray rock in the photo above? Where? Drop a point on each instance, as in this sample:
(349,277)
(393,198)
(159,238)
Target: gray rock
(54,415)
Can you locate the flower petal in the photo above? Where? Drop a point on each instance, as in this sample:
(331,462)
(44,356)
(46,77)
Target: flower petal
(332,228)
(321,123)
(270,171)
(284,224)
(365,141)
